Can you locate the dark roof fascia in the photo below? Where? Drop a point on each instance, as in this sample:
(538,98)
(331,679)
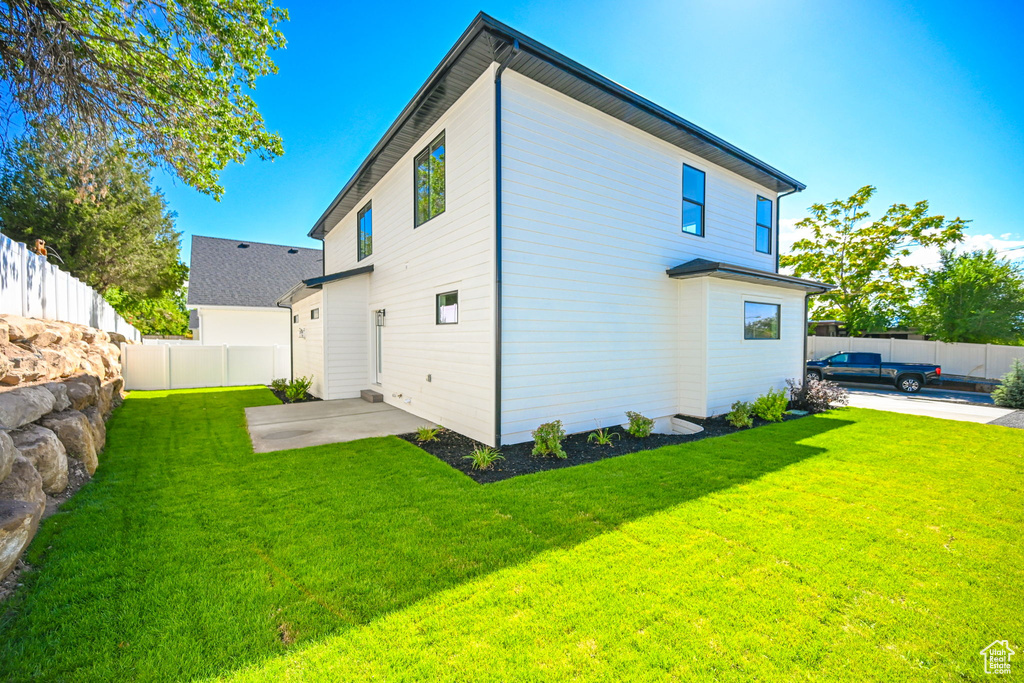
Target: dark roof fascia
(484,23)
(333,277)
(703,268)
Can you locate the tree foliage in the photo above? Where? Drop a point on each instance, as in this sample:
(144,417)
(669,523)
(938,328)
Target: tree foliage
(120,234)
(865,258)
(166,314)
(169,80)
(973,297)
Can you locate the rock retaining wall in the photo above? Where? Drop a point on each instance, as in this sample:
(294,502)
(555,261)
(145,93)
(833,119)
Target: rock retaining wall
(59,383)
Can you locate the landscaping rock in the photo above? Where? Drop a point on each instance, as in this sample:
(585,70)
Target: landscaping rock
(117,338)
(76,433)
(7,454)
(82,391)
(18,523)
(23,329)
(24,484)
(46,453)
(26,404)
(60,396)
(99,427)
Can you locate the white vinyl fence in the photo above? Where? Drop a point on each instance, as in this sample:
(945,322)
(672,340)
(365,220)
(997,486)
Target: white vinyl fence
(989,361)
(167,366)
(34,288)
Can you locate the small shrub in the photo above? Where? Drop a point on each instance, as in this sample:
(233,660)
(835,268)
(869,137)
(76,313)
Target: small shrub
(639,426)
(547,440)
(484,458)
(424,434)
(298,389)
(1010,392)
(771,406)
(603,437)
(740,417)
(279,384)
(816,395)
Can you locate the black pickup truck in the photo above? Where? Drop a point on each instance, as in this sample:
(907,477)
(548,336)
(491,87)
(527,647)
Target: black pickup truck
(868,367)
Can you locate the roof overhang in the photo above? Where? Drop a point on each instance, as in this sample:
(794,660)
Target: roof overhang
(725,271)
(310,286)
(487,41)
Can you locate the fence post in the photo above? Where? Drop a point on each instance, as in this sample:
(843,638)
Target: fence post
(224,365)
(167,366)
(124,362)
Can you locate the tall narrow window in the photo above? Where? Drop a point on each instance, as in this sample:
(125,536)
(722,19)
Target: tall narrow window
(693,201)
(430,181)
(763,238)
(364,238)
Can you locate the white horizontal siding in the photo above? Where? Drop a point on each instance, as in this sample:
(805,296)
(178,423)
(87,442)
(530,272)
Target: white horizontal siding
(243,326)
(591,212)
(453,251)
(346,330)
(308,343)
(742,369)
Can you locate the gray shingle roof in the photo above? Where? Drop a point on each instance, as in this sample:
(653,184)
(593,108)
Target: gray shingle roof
(222,273)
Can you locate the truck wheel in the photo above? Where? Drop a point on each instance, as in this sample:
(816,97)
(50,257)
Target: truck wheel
(813,374)
(909,384)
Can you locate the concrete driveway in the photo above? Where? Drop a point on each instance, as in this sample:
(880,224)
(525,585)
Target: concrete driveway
(298,425)
(949,405)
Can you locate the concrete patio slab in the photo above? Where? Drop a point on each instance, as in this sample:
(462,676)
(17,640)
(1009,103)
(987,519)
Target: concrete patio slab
(299,425)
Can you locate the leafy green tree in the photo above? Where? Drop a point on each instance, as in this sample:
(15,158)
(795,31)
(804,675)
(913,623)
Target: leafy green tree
(169,80)
(166,314)
(865,258)
(118,235)
(973,297)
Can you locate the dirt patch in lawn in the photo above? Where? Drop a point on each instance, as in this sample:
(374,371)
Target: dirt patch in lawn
(452,448)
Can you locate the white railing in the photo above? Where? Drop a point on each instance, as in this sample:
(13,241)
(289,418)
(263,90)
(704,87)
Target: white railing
(168,366)
(34,288)
(988,361)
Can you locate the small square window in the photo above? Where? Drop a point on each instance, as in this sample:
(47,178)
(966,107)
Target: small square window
(761,321)
(448,308)
(295,318)
(314,314)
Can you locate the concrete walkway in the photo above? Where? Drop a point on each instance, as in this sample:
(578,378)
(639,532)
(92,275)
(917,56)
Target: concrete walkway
(298,425)
(933,405)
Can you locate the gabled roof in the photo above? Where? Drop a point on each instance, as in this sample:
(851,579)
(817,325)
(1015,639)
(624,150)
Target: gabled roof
(699,267)
(488,40)
(239,273)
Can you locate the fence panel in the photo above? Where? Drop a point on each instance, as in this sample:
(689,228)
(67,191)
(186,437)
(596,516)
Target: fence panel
(987,361)
(170,366)
(32,287)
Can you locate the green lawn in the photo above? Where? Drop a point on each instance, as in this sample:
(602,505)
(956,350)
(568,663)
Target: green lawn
(856,545)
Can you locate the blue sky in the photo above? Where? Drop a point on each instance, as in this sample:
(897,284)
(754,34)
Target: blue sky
(923,100)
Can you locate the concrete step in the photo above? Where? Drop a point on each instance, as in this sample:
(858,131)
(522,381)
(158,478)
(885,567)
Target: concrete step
(371,396)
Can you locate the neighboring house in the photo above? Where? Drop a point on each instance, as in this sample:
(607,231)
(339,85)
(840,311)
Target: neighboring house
(234,285)
(531,241)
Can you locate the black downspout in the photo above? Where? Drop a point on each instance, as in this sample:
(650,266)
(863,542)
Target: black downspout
(778,227)
(291,341)
(497,240)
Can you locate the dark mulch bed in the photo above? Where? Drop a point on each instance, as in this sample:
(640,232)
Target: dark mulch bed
(284,399)
(452,448)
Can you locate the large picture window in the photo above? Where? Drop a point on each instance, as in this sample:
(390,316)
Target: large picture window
(761,321)
(364,238)
(430,181)
(448,308)
(693,201)
(763,238)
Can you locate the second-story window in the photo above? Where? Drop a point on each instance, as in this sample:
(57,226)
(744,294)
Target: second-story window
(430,181)
(763,238)
(364,238)
(693,201)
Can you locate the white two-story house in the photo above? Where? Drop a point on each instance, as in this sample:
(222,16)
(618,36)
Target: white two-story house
(530,241)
